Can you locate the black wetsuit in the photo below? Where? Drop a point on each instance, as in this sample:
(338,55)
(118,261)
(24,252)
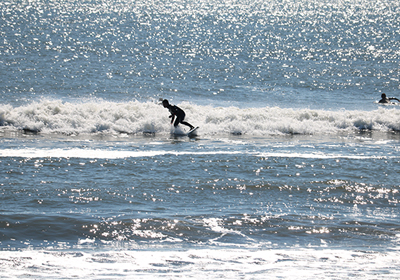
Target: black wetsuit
(179,114)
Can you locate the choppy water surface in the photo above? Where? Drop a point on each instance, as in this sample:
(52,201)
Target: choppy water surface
(293,172)
(308,53)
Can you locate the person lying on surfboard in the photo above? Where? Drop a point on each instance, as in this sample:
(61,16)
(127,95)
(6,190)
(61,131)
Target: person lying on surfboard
(387,99)
(176,112)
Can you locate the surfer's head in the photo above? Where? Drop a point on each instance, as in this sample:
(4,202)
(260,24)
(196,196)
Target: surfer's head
(383,96)
(165,103)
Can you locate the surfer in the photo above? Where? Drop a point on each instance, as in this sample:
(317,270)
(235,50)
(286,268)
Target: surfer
(387,99)
(176,112)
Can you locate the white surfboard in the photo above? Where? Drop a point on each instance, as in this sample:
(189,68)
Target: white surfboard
(387,104)
(192,132)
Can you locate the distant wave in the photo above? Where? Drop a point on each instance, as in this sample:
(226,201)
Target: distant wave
(56,116)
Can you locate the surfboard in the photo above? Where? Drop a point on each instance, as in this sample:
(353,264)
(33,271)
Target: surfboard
(388,104)
(192,132)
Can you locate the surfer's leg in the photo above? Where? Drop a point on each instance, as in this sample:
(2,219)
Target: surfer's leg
(177,121)
(188,124)
(180,118)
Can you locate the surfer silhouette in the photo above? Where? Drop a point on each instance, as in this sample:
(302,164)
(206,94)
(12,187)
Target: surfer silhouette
(177,114)
(387,99)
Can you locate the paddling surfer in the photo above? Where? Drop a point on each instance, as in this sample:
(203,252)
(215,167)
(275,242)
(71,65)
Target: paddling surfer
(177,113)
(387,99)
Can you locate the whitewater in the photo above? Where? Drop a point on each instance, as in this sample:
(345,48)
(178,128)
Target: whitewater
(138,118)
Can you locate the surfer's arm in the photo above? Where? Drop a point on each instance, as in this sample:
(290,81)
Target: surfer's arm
(172,118)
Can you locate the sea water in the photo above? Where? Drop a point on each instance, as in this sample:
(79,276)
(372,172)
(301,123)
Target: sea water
(293,173)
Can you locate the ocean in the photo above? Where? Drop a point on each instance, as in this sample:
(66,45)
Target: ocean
(293,172)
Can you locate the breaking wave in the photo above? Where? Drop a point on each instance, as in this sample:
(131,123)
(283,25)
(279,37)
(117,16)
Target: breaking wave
(56,116)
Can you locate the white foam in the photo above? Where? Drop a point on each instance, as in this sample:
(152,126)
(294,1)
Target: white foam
(97,153)
(201,264)
(321,156)
(136,117)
